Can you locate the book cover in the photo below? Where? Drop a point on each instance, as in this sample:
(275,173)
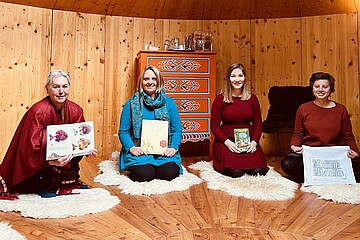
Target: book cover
(242,139)
(327,165)
(64,139)
(154,136)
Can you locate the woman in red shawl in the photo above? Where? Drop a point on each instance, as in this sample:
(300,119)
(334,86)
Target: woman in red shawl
(24,168)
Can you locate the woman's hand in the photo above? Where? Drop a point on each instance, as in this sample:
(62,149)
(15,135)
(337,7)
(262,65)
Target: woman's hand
(231,146)
(137,151)
(252,147)
(61,161)
(169,152)
(352,154)
(296,149)
(92,153)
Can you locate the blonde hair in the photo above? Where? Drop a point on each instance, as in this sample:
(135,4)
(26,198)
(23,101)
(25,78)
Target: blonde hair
(159,79)
(227,89)
(54,74)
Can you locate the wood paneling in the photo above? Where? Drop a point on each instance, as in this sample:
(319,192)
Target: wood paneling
(274,9)
(200,9)
(327,7)
(24,64)
(232,45)
(276,61)
(167,29)
(97,7)
(124,38)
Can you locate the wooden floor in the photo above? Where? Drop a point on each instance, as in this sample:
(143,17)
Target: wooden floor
(198,213)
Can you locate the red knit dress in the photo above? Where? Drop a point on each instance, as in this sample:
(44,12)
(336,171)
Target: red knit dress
(225,117)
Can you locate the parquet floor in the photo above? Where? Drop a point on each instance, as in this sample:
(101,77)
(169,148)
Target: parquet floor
(198,213)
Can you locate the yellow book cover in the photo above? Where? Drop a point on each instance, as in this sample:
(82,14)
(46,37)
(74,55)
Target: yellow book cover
(154,136)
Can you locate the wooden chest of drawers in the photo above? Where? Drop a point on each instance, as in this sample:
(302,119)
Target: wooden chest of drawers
(190,79)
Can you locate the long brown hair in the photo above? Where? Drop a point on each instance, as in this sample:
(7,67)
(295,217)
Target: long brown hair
(227,89)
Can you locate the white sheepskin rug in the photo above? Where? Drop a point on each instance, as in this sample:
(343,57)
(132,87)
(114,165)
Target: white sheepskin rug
(91,200)
(339,193)
(272,186)
(109,175)
(8,233)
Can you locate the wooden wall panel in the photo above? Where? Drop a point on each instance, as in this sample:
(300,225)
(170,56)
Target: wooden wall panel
(78,45)
(326,7)
(232,45)
(24,64)
(330,44)
(276,61)
(124,38)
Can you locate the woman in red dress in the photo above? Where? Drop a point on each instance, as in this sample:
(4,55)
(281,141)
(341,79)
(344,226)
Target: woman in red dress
(236,108)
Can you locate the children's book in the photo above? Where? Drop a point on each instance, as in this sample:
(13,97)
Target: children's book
(242,139)
(154,136)
(76,139)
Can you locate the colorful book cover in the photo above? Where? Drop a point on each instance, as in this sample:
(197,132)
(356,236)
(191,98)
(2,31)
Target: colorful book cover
(154,136)
(76,139)
(242,139)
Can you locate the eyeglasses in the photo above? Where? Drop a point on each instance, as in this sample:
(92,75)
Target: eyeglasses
(59,73)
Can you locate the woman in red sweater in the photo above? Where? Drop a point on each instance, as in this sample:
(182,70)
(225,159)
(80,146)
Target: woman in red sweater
(236,108)
(321,122)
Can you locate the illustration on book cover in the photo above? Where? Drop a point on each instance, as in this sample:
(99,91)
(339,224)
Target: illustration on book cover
(76,139)
(242,139)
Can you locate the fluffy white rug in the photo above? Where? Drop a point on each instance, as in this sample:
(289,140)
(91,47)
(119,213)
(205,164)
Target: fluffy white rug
(339,193)
(8,233)
(272,186)
(109,175)
(91,200)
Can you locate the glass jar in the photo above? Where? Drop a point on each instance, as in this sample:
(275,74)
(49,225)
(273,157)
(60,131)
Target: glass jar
(198,40)
(208,41)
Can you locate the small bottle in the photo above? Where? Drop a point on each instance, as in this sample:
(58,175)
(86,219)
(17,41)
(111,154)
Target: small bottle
(176,43)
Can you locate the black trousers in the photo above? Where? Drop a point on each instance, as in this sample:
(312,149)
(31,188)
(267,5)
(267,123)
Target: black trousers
(293,166)
(42,180)
(148,172)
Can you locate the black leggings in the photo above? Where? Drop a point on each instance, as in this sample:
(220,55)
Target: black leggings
(235,173)
(293,166)
(148,172)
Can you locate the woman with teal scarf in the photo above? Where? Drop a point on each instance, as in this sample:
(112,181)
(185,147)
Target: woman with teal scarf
(149,102)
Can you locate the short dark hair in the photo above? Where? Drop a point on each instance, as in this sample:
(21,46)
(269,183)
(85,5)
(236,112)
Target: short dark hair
(323,76)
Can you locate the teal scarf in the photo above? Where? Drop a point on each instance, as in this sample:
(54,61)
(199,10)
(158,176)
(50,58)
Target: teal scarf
(158,105)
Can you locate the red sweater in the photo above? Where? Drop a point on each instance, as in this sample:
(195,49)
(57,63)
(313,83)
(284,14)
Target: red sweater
(316,126)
